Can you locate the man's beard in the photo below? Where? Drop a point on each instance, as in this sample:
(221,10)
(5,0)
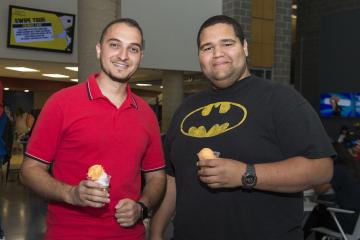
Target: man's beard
(111,76)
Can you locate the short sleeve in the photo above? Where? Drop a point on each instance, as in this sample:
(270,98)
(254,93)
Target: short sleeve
(169,166)
(298,128)
(154,156)
(45,137)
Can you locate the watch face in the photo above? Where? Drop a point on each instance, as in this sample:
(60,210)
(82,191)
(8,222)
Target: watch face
(250,180)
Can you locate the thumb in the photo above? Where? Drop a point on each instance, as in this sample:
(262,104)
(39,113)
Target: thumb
(122,203)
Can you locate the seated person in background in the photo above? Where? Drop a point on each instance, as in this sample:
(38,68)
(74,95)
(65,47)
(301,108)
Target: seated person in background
(344,131)
(346,185)
(352,143)
(355,150)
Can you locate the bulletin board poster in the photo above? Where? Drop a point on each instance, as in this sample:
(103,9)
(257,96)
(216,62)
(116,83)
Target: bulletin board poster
(40,29)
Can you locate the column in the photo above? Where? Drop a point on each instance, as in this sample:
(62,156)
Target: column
(93,16)
(282,49)
(173,93)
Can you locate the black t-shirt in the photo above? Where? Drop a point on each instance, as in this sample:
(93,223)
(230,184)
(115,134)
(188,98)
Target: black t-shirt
(253,121)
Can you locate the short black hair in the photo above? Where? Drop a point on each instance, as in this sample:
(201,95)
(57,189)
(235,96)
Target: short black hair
(222,19)
(128,21)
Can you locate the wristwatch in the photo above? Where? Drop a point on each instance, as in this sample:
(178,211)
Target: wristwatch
(145,212)
(249,178)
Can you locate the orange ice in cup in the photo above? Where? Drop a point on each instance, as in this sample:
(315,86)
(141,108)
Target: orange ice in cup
(97,173)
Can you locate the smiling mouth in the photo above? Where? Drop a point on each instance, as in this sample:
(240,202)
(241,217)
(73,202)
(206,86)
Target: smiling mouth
(220,65)
(120,65)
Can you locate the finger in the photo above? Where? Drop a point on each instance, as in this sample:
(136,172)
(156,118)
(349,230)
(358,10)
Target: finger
(215,185)
(208,163)
(126,220)
(208,171)
(97,199)
(127,224)
(210,180)
(97,196)
(88,203)
(92,184)
(124,202)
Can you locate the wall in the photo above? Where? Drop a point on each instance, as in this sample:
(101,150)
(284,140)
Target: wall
(18,99)
(40,98)
(66,6)
(327,64)
(267,27)
(170,28)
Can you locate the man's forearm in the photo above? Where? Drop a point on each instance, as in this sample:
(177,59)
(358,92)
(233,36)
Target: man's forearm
(165,212)
(294,174)
(36,177)
(154,189)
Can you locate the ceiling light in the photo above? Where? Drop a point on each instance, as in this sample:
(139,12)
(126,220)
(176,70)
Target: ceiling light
(6,89)
(55,75)
(74,80)
(22,69)
(26,90)
(144,84)
(294,6)
(72,68)
(161,86)
(293,16)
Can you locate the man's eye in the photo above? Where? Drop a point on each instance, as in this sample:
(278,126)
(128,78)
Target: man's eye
(134,49)
(227,44)
(114,45)
(207,49)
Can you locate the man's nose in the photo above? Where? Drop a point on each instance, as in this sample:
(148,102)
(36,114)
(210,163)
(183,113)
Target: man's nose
(123,54)
(218,51)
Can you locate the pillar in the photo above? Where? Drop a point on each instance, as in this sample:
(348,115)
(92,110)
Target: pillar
(173,93)
(93,16)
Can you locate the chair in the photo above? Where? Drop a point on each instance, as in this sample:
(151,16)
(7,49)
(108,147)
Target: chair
(331,234)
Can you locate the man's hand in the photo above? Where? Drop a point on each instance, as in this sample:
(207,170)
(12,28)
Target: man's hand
(127,212)
(88,194)
(221,172)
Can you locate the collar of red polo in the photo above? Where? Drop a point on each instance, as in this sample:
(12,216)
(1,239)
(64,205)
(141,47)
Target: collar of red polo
(94,91)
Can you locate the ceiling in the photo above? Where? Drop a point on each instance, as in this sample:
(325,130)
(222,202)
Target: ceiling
(193,81)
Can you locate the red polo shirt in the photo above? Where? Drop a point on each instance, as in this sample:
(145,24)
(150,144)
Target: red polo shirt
(79,127)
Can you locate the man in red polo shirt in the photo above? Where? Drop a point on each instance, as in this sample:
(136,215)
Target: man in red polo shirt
(98,122)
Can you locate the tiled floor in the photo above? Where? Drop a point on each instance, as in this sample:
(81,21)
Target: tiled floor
(22,211)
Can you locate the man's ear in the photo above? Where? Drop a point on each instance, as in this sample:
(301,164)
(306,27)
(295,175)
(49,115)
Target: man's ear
(245,46)
(98,50)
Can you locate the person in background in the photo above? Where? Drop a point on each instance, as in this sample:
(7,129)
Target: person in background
(23,124)
(352,143)
(334,101)
(271,142)
(6,141)
(346,186)
(20,123)
(98,122)
(344,131)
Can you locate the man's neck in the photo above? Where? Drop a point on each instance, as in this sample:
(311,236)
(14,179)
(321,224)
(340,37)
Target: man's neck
(115,91)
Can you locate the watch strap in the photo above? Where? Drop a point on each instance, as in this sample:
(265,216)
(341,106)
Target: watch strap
(144,210)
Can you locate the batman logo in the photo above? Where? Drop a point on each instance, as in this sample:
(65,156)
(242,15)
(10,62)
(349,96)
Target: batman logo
(213,119)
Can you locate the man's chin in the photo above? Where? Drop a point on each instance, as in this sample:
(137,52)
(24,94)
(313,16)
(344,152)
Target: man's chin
(120,79)
(222,83)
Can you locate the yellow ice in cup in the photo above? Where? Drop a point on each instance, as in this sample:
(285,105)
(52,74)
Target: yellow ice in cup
(207,153)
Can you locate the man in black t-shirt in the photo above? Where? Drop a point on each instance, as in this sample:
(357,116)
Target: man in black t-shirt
(271,142)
